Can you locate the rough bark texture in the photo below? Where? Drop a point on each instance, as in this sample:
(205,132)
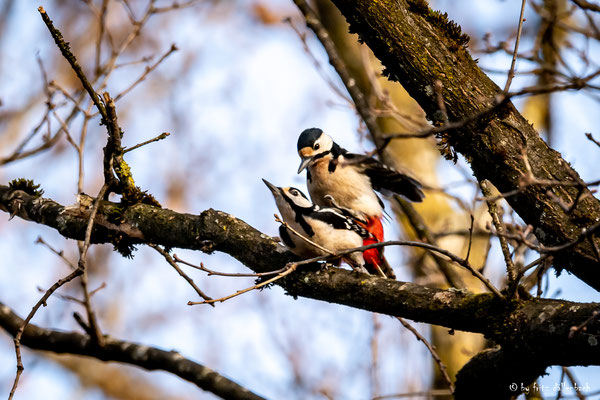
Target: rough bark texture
(436,212)
(149,358)
(531,326)
(418,47)
(498,373)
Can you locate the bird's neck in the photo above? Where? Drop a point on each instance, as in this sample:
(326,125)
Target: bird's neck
(336,150)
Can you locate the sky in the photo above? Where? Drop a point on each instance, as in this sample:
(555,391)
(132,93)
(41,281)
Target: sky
(234,98)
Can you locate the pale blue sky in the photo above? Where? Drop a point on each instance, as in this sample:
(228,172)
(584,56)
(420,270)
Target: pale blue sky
(234,119)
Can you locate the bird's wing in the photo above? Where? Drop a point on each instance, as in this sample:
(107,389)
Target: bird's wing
(387,180)
(336,218)
(285,237)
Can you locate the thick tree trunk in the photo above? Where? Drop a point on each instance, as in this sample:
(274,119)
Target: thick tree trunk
(418,47)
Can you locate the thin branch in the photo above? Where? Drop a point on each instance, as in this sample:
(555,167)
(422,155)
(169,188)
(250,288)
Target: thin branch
(423,233)
(587,5)
(290,268)
(511,72)
(432,350)
(147,357)
(425,395)
(76,102)
(430,347)
(68,55)
(59,253)
(470,237)
(210,272)
(176,5)
(590,137)
(147,71)
(66,130)
(438,88)
(162,136)
(101,29)
(362,106)
(497,102)
(172,263)
(97,336)
(575,329)
(374,341)
(25,322)
(574,383)
(510,266)
(460,261)
(307,240)
(109,66)
(334,87)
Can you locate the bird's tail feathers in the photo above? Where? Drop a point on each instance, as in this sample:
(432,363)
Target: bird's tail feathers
(374,259)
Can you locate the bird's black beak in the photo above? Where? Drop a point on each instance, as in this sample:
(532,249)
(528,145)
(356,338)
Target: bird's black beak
(304,163)
(274,189)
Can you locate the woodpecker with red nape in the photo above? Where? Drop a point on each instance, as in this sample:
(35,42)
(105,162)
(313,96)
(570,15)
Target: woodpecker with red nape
(328,227)
(350,180)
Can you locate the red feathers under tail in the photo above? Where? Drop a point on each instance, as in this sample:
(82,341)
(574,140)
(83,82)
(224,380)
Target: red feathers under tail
(374,259)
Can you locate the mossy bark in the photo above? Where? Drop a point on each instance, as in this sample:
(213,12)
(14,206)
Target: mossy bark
(532,325)
(419,47)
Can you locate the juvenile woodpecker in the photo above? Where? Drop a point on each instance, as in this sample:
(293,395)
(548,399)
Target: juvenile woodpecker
(328,227)
(350,179)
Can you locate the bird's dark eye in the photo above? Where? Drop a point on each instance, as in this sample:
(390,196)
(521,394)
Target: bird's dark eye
(294,192)
(316,146)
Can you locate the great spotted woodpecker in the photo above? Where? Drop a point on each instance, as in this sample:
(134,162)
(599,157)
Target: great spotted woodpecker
(328,227)
(350,179)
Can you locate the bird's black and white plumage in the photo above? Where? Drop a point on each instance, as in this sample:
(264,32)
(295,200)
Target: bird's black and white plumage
(328,227)
(350,178)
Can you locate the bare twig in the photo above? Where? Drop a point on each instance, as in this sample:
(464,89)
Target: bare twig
(172,263)
(307,240)
(92,320)
(76,102)
(432,350)
(470,237)
(210,272)
(430,347)
(591,138)
(68,55)
(19,334)
(147,71)
(533,263)
(360,100)
(496,104)
(510,266)
(375,386)
(423,233)
(438,87)
(574,383)
(587,5)
(162,136)
(290,268)
(575,329)
(66,130)
(460,261)
(147,357)
(334,87)
(176,5)
(426,394)
(511,72)
(59,253)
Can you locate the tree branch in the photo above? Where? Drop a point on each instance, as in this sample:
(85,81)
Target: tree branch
(498,372)
(532,325)
(149,358)
(419,46)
